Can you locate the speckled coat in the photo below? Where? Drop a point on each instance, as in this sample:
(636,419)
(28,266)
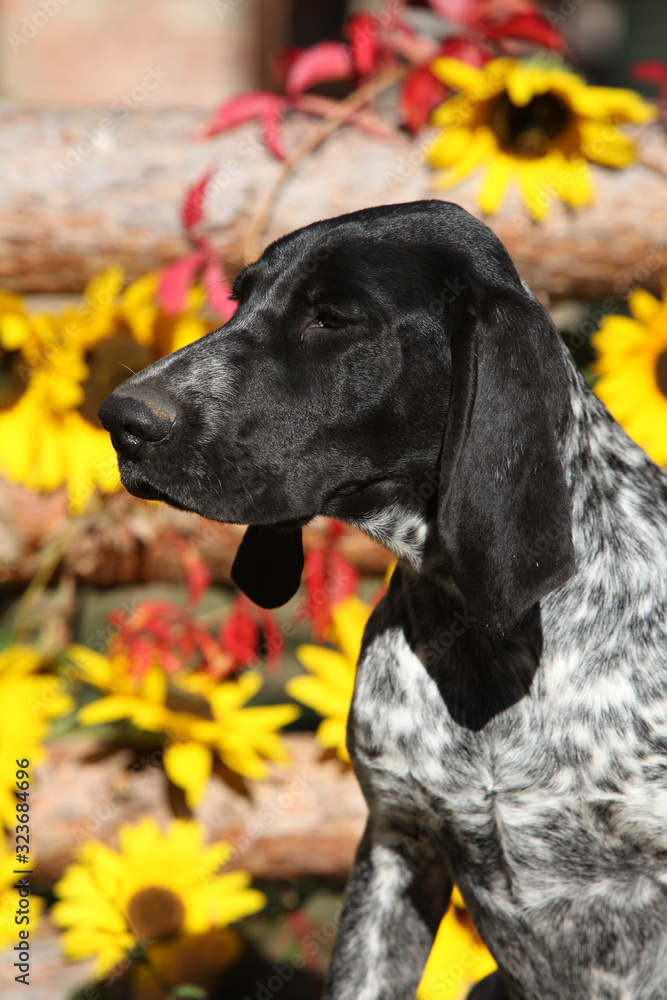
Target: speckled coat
(532,770)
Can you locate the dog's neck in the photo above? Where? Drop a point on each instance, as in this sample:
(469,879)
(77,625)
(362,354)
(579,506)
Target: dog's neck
(608,477)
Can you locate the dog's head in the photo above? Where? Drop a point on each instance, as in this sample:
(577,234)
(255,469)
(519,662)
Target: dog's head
(386,368)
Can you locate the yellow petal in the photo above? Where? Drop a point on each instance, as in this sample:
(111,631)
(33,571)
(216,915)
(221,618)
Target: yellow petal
(458,75)
(536,196)
(643,305)
(448,147)
(458,958)
(349,621)
(109,709)
(332,734)
(576,185)
(482,145)
(606,144)
(14,331)
(494,186)
(457,112)
(321,697)
(612,104)
(523,83)
(189,766)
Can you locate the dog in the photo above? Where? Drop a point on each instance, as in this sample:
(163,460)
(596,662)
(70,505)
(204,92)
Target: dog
(509,720)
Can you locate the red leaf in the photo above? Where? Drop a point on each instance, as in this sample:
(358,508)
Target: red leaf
(463,11)
(473,53)
(324,61)
(651,70)
(270,134)
(422,92)
(283,62)
(345,576)
(193,203)
(272,639)
(197,576)
(334,530)
(239,635)
(362,33)
(527,28)
(243,108)
(176,279)
(217,290)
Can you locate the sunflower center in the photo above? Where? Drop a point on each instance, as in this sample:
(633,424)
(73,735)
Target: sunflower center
(110,363)
(661,372)
(12,385)
(191,702)
(532,129)
(155,913)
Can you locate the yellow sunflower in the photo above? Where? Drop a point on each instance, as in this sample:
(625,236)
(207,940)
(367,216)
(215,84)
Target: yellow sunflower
(329,689)
(29,701)
(458,958)
(156,887)
(632,364)
(55,371)
(10,898)
(530,122)
(201,718)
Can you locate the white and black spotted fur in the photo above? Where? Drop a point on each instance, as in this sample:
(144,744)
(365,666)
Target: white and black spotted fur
(509,719)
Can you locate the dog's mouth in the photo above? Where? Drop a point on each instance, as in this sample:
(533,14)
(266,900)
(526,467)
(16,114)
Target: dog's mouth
(146,491)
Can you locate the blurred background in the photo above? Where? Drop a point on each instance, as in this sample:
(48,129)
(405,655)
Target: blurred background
(173,771)
(94,50)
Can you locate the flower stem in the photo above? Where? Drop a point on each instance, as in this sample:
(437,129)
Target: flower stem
(333,120)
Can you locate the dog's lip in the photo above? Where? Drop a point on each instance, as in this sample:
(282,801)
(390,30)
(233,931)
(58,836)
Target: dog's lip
(144,490)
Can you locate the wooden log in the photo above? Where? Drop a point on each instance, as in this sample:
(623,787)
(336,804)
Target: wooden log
(304,821)
(82,189)
(126,540)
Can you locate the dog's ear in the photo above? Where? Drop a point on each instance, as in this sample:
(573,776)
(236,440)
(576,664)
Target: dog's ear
(268,565)
(504,519)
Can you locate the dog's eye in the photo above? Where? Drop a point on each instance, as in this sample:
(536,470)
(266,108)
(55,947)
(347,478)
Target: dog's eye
(325,321)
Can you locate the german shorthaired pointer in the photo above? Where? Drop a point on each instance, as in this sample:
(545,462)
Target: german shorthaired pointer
(509,721)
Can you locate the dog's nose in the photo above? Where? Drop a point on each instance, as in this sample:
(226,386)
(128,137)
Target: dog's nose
(134,421)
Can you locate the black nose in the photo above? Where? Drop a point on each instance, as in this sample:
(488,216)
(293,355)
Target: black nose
(133,421)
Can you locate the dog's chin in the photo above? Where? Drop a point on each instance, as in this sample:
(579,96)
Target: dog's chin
(146,491)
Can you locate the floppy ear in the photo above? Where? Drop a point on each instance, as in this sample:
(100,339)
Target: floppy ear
(504,519)
(268,565)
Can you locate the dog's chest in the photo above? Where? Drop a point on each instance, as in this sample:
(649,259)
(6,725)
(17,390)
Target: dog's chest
(553,782)
(416,758)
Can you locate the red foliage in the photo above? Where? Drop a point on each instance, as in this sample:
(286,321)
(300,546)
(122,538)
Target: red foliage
(257,104)
(165,633)
(177,278)
(328,579)
(362,33)
(249,632)
(218,289)
(169,634)
(192,209)
(324,61)
(526,28)
(652,71)
(422,92)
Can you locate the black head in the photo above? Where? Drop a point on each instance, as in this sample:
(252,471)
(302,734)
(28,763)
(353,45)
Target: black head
(386,368)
